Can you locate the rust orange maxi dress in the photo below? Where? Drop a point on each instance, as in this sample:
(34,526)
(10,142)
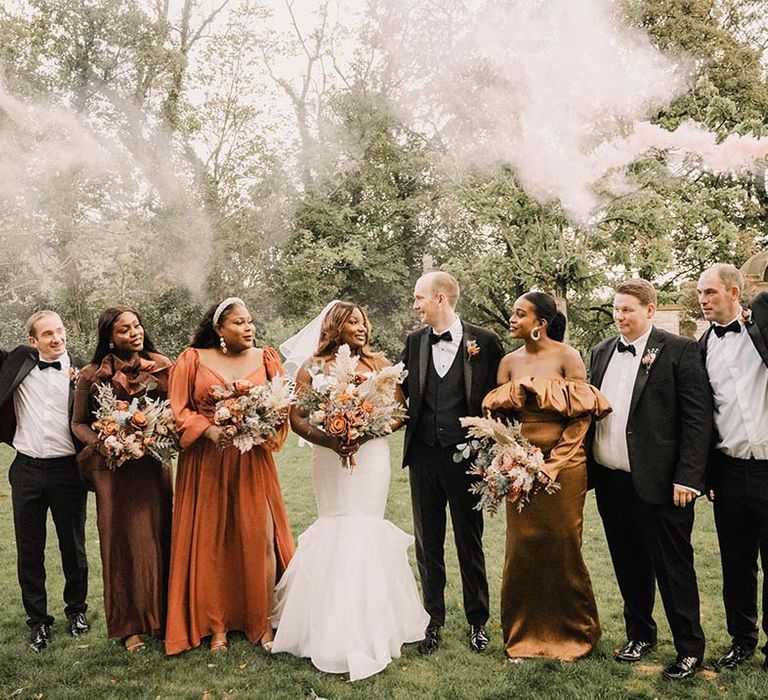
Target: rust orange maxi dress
(547,605)
(218,575)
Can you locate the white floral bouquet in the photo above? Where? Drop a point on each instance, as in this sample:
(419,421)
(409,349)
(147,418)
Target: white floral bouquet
(252,413)
(348,405)
(131,430)
(509,466)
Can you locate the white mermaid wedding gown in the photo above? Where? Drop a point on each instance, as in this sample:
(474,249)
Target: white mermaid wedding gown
(348,599)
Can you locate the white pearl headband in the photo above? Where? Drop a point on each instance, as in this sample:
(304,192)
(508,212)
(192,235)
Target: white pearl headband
(229,301)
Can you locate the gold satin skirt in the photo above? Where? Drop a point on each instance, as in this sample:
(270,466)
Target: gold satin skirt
(548,608)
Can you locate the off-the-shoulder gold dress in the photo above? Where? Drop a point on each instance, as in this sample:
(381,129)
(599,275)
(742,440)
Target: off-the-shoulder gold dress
(547,605)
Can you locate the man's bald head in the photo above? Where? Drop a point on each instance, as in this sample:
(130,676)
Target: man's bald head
(439,282)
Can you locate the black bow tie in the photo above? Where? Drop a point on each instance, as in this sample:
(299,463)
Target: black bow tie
(42,364)
(733,326)
(435,338)
(627,348)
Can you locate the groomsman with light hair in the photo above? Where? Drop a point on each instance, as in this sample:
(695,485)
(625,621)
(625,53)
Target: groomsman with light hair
(451,367)
(36,395)
(647,462)
(736,351)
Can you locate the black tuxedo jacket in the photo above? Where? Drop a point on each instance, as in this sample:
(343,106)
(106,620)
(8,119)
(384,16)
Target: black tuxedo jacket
(479,371)
(670,417)
(14,368)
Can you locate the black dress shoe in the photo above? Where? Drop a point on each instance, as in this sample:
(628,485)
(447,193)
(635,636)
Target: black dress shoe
(39,637)
(734,657)
(78,624)
(684,667)
(431,641)
(478,638)
(633,651)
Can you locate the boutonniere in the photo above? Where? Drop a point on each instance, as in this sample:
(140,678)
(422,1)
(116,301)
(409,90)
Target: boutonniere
(648,358)
(473,349)
(746,316)
(74,375)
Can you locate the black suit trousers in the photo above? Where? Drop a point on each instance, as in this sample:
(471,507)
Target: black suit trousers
(651,544)
(741,519)
(436,481)
(38,485)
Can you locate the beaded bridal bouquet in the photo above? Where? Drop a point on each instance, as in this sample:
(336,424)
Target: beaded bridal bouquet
(507,464)
(348,405)
(131,430)
(252,413)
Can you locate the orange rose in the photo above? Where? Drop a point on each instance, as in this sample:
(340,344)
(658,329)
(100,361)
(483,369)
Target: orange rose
(121,405)
(336,425)
(343,398)
(109,428)
(139,420)
(242,386)
(367,407)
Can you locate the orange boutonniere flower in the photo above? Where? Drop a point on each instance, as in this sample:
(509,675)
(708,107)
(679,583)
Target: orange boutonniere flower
(649,358)
(74,374)
(473,349)
(746,316)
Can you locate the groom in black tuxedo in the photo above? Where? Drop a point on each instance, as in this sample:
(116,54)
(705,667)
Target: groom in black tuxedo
(736,351)
(36,395)
(647,463)
(451,367)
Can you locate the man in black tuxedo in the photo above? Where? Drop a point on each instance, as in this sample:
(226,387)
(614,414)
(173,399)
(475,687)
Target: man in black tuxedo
(647,463)
(736,351)
(36,392)
(451,367)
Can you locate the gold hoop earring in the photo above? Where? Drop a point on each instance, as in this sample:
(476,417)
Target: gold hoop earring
(223,344)
(536,335)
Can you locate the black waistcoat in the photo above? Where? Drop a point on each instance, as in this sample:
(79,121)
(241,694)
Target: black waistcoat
(443,403)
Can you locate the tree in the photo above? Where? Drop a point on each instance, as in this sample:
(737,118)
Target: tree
(360,232)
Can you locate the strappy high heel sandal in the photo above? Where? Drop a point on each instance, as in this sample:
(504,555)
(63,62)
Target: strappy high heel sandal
(134,643)
(268,638)
(217,644)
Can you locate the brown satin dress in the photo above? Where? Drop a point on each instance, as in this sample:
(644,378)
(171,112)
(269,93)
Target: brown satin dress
(547,605)
(219,581)
(133,503)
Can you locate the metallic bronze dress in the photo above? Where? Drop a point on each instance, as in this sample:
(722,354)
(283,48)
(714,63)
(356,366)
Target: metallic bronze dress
(547,605)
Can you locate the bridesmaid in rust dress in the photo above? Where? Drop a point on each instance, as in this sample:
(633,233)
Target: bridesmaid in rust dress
(231,537)
(547,605)
(133,502)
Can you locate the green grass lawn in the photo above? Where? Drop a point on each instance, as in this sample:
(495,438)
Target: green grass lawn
(94,667)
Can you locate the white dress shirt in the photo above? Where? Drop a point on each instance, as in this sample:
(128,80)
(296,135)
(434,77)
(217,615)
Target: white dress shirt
(610,446)
(444,351)
(41,403)
(739,381)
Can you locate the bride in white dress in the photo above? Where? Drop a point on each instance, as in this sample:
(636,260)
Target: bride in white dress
(348,599)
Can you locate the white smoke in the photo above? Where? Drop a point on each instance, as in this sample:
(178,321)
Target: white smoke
(104,176)
(561,90)
(734,154)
